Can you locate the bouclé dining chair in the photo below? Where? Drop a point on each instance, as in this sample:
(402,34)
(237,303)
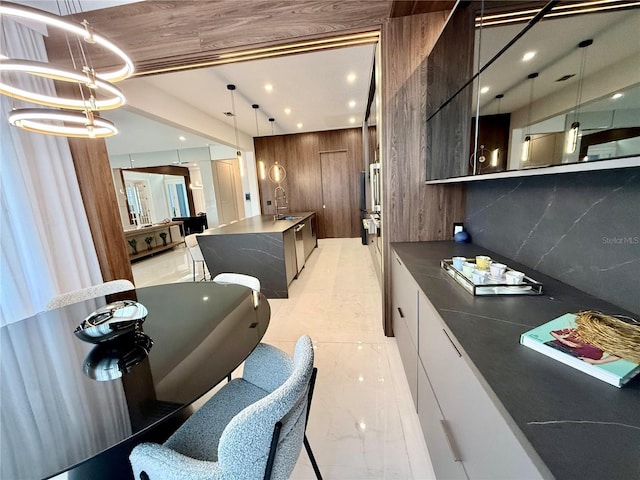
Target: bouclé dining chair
(238,279)
(106,288)
(252,428)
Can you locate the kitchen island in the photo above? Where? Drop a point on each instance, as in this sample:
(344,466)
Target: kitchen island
(490,407)
(274,251)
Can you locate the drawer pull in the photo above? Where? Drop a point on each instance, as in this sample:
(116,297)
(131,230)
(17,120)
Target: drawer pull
(452,446)
(400,312)
(452,344)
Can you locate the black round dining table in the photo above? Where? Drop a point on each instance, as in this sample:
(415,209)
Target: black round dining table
(68,405)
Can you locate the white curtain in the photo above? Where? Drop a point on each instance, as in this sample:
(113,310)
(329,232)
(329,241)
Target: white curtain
(46,249)
(46,242)
(52,418)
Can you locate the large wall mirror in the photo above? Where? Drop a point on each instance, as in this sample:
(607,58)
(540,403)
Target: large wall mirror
(565,91)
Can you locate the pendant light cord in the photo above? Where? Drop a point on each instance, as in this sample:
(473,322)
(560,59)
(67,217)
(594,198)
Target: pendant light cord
(583,64)
(235,121)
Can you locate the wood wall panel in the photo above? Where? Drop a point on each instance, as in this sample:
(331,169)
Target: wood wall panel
(300,155)
(411,210)
(161,33)
(92,167)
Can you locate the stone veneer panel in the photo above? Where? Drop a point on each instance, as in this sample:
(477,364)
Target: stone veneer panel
(580,228)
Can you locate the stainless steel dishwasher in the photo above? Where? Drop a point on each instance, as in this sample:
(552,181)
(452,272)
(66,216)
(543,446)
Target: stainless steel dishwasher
(299,246)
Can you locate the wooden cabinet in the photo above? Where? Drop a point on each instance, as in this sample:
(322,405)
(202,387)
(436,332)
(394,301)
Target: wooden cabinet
(404,297)
(468,432)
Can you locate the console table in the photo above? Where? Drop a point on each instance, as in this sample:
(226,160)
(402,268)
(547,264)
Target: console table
(173,238)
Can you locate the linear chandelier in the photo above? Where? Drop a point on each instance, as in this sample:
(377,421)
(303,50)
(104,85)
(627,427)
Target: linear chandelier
(96,90)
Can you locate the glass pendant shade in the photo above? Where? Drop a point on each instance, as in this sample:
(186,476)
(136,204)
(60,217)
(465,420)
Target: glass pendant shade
(572,137)
(526,148)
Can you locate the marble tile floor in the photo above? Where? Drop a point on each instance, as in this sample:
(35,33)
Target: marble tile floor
(363,424)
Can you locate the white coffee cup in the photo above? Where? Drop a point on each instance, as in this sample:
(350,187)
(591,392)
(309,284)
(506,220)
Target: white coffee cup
(479,277)
(468,268)
(514,278)
(497,269)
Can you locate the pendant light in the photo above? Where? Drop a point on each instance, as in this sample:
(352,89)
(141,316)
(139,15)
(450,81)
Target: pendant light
(574,130)
(261,166)
(83,122)
(526,144)
(231,89)
(495,153)
(61,123)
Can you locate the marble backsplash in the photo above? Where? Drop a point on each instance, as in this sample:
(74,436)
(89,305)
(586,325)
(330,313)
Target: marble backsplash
(580,228)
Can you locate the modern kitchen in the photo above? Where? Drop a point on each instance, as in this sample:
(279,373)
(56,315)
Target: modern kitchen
(491,173)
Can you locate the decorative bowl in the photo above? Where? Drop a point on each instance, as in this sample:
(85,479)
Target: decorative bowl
(111,321)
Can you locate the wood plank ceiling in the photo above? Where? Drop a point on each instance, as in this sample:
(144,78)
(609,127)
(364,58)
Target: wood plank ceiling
(176,33)
(160,34)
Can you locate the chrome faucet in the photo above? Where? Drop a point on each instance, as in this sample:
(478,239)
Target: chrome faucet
(280,199)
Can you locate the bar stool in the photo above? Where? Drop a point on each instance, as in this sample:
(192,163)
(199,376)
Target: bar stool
(196,255)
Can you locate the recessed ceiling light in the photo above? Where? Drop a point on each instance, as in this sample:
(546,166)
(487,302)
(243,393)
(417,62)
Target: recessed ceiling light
(352,104)
(351,77)
(182,138)
(617,96)
(268,87)
(287,110)
(484,89)
(528,56)
(299,125)
(352,120)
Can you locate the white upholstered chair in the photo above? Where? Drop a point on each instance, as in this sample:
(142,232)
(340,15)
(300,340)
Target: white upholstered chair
(251,429)
(196,255)
(107,288)
(239,279)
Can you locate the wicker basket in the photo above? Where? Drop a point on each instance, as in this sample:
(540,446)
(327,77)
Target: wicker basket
(619,336)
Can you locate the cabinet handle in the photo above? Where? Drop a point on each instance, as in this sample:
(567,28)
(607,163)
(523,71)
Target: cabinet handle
(452,446)
(452,344)
(400,312)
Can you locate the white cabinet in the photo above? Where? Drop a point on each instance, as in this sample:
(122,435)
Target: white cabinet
(444,454)
(404,298)
(466,428)
(483,441)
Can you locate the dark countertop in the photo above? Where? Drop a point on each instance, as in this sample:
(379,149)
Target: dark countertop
(580,426)
(260,224)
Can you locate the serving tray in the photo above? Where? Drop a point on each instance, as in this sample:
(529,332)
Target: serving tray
(494,286)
